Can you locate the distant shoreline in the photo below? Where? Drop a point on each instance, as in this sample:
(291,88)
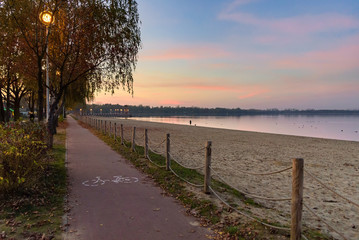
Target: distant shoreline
(147,111)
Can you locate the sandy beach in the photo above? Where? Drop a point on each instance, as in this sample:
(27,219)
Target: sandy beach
(334,162)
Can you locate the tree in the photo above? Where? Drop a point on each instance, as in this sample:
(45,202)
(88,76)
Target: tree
(92,44)
(23,17)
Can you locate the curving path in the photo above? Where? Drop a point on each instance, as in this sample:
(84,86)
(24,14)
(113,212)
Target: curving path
(110,199)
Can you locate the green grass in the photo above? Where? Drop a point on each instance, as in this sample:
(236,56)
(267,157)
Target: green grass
(38,212)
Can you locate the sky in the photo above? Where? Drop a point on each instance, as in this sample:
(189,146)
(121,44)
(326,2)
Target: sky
(261,54)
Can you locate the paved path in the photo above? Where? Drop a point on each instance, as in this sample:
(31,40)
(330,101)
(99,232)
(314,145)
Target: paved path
(122,203)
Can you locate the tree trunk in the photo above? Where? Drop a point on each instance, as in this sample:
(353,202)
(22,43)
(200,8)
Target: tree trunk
(7,112)
(17,108)
(2,112)
(51,127)
(53,115)
(40,92)
(31,103)
(64,105)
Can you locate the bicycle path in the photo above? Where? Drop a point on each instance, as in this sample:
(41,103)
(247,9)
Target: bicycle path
(110,199)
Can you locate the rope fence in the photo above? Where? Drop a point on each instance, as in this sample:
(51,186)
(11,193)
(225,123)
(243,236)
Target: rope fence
(266,173)
(331,190)
(245,214)
(247,193)
(297,168)
(182,165)
(320,219)
(193,184)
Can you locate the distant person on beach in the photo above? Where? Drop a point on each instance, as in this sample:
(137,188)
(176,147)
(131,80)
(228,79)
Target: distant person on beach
(190,122)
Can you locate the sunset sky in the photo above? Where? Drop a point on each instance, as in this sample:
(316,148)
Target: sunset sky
(247,54)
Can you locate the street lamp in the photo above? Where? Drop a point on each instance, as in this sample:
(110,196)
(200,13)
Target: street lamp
(47,18)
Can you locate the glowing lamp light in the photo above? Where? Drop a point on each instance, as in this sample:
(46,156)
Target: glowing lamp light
(46,17)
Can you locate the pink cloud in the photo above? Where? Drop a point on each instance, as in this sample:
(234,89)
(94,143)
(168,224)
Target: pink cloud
(297,25)
(189,53)
(343,58)
(244,91)
(253,94)
(214,88)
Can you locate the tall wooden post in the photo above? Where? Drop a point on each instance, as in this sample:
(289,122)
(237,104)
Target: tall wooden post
(145,146)
(133,139)
(121,132)
(297,199)
(109,132)
(207,167)
(105,127)
(168,148)
(114,132)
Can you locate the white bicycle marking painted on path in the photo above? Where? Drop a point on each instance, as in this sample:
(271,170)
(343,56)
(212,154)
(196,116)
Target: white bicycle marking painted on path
(116,179)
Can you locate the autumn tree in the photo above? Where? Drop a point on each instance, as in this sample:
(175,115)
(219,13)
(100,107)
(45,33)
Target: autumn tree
(93,44)
(24,18)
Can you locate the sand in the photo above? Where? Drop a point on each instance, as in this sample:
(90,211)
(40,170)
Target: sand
(334,162)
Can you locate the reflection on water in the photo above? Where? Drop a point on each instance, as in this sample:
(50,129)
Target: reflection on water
(332,127)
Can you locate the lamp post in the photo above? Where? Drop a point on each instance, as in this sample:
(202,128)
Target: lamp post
(47,18)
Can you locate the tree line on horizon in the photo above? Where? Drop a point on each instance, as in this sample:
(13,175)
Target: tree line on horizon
(143,111)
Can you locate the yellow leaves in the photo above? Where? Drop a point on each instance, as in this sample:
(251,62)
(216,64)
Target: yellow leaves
(20,180)
(21,152)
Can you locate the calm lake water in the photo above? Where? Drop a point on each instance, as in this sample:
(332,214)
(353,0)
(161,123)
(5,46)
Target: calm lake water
(332,127)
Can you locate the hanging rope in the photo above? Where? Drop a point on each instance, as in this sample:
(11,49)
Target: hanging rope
(246,215)
(246,193)
(194,151)
(326,187)
(160,166)
(267,173)
(159,153)
(320,219)
(156,145)
(193,184)
(140,138)
(192,168)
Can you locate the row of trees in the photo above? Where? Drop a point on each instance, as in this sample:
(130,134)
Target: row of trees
(196,111)
(92,44)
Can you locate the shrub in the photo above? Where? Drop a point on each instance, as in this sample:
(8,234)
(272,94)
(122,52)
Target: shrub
(22,154)
(61,118)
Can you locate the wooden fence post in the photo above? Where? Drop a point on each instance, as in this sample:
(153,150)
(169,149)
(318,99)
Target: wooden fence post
(168,148)
(121,132)
(114,132)
(145,146)
(297,199)
(105,127)
(207,168)
(133,139)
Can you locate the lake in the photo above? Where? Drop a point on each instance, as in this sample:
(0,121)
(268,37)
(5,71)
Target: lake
(331,127)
